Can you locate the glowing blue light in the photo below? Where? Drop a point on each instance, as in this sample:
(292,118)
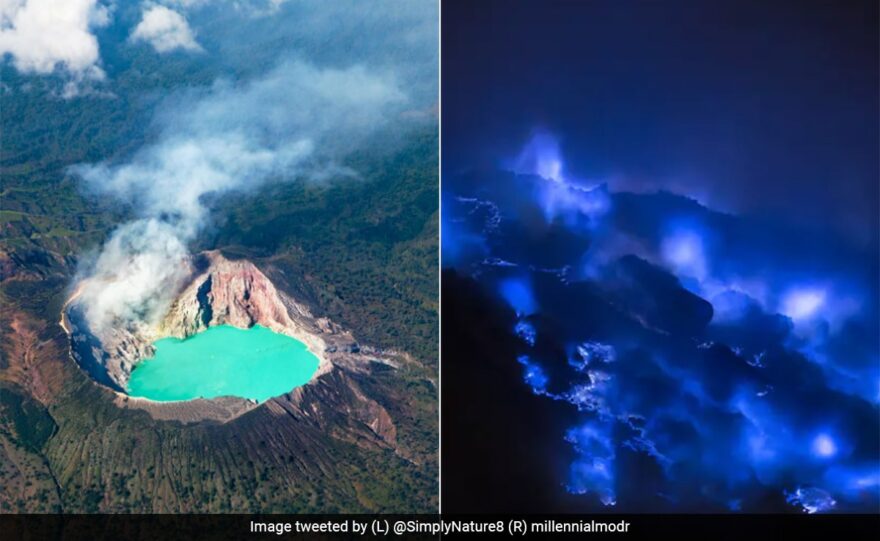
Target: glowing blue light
(590,438)
(593,475)
(590,352)
(526,331)
(541,157)
(811,499)
(803,304)
(572,203)
(534,375)
(760,448)
(593,471)
(585,398)
(854,482)
(577,203)
(649,447)
(823,446)
(684,252)
(518,294)
(461,246)
(550,168)
(729,305)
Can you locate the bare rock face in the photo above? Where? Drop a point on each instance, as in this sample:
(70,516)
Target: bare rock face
(123,349)
(111,354)
(237,293)
(227,293)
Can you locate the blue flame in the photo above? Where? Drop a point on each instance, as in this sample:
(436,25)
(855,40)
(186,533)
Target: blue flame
(526,331)
(574,205)
(541,156)
(534,375)
(593,470)
(575,202)
(684,251)
(811,499)
(803,304)
(824,446)
(518,294)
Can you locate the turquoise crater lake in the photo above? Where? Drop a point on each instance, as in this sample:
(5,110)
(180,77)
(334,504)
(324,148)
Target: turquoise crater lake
(253,363)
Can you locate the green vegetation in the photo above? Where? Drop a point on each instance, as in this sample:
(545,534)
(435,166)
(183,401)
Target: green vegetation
(33,424)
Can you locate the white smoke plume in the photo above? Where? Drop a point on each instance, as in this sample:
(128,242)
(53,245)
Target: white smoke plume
(126,279)
(297,121)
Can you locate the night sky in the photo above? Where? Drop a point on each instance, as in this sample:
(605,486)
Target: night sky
(763,107)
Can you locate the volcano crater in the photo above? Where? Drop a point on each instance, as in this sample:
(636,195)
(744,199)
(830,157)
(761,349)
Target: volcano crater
(221,293)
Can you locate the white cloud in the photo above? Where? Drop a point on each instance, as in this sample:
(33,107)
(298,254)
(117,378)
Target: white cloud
(44,35)
(165,29)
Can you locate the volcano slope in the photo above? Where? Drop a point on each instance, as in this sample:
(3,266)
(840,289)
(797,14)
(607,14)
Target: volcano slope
(360,437)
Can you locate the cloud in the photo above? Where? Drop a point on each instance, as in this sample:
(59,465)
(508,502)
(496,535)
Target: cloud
(165,29)
(297,121)
(43,36)
(400,35)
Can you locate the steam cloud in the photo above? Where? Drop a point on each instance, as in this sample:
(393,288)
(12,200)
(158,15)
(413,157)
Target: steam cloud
(297,121)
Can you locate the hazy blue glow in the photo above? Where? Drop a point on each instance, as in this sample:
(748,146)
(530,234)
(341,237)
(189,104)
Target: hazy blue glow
(560,197)
(729,306)
(824,446)
(573,204)
(802,304)
(518,294)
(593,470)
(684,252)
(461,246)
(854,482)
(541,156)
